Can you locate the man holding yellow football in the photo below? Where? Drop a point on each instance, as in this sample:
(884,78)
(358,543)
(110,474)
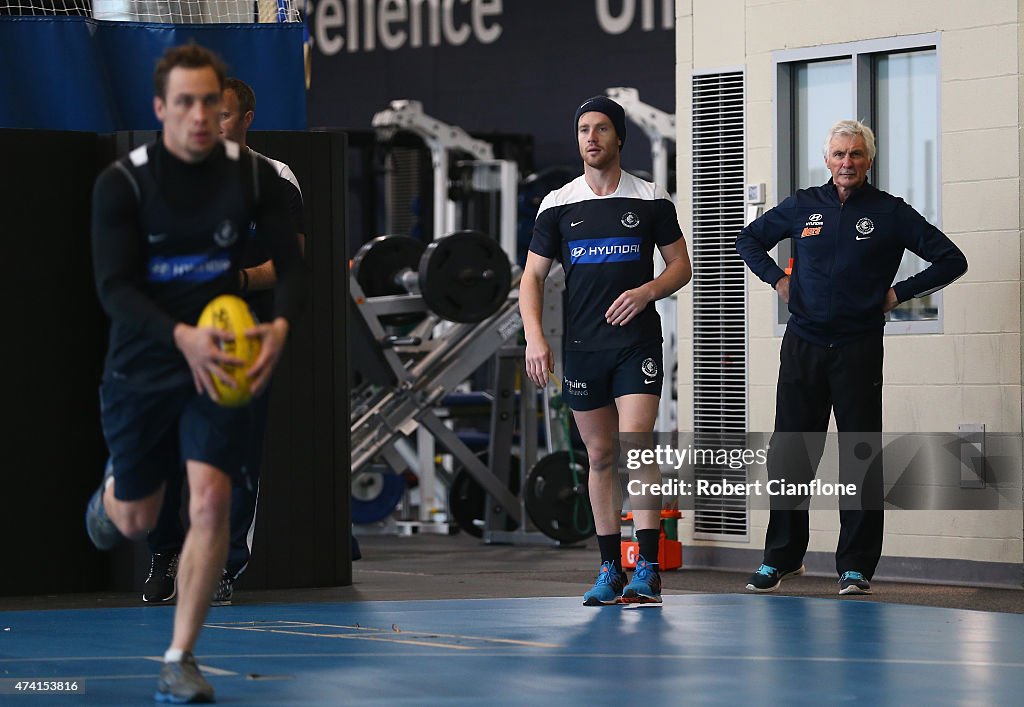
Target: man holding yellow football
(257,279)
(169,222)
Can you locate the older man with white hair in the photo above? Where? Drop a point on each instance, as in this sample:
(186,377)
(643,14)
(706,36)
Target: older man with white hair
(848,242)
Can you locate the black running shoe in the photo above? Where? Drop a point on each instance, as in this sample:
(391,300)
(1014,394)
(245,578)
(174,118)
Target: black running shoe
(854,583)
(161,584)
(225,589)
(768,578)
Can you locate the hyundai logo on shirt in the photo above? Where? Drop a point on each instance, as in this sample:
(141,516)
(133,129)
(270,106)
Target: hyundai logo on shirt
(604,250)
(188,268)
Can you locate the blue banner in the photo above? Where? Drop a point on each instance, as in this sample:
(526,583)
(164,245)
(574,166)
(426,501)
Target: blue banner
(74,73)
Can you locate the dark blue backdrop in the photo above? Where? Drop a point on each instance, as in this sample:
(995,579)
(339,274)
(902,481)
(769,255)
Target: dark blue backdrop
(73,73)
(518,66)
(523,67)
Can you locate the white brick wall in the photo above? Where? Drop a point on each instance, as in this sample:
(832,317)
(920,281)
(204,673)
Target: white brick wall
(973,155)
(973,371)
(971,207)
(979,52)
(993,256)
(947,14)
(979,103)
(714,46)
(982,307)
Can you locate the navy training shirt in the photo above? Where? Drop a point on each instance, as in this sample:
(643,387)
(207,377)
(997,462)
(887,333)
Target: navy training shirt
(606,246)
(167,238)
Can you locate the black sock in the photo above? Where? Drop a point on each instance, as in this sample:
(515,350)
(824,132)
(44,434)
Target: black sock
(611,550)
(648,541)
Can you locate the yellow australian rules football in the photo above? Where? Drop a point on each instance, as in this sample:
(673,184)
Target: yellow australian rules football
(231,314)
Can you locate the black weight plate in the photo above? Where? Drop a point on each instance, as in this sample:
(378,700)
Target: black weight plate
(467,499)
(376,492)
(376,267)
(377,264)
(558,509)
(465,277)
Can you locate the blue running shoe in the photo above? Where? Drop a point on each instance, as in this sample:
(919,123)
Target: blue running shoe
(854,583)
(102,531)
(645,588)
(608,587)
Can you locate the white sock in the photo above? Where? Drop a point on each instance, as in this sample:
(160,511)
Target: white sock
(173,655)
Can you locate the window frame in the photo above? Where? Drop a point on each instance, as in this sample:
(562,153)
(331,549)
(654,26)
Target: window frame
(861,54)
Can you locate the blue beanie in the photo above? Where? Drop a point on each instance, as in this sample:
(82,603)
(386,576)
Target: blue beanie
(603,104)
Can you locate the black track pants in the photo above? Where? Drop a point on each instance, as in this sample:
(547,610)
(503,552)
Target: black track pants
(814,381)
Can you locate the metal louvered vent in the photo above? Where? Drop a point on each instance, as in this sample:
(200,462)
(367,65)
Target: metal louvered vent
(719,294)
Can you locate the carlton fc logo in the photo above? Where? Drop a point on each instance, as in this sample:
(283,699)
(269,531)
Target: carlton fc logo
(865,226)
(649,367)
(630,220)
(225,234)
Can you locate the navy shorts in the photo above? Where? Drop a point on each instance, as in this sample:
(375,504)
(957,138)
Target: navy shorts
(151,434)
(593,379)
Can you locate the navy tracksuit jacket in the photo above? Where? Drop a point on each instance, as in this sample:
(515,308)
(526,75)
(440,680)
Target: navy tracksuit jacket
(845,258)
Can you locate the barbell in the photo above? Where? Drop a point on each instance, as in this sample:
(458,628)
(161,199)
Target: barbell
(464,277)
(556,497)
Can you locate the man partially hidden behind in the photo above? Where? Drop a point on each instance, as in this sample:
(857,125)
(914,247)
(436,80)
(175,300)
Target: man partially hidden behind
(256,279)
(849,239)
(169,227)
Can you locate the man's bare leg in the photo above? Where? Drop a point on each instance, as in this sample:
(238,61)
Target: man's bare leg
(204,552)
(134,519)
(637,414)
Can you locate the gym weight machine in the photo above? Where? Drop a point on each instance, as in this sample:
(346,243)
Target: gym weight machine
(487,173)
(425,364)
(398,283)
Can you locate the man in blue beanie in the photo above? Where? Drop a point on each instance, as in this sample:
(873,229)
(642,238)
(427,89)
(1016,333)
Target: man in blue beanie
(603,227)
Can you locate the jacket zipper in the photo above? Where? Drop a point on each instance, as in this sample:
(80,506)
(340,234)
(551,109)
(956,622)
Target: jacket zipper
(831,276)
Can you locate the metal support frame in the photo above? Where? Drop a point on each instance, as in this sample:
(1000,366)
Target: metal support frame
(553,322)
(499,448)
(501,176)
(441,139)
(659,126)
(509,364)
(442,364)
